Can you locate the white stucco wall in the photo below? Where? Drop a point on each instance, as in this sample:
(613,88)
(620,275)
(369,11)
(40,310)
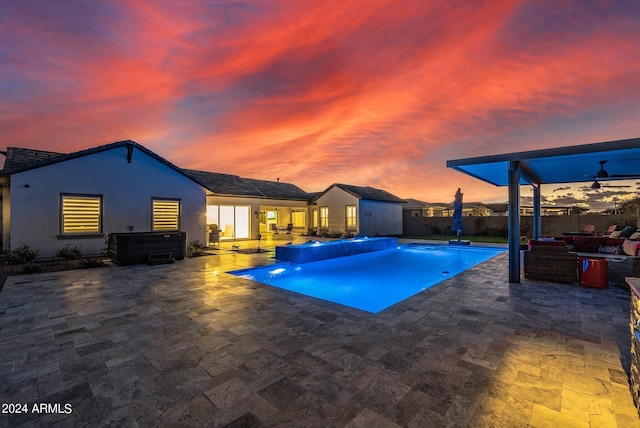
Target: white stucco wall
(385,218)
(127,190)
(337,200)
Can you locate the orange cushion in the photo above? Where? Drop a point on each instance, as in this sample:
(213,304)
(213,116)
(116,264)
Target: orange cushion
(631,248)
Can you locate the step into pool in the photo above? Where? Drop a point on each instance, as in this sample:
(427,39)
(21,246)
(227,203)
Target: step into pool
(376,280)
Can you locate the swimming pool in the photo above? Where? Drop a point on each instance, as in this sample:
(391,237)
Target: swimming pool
(373,281)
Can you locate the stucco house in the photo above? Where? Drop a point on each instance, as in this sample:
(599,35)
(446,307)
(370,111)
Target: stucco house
(357,209)
(50,199)
(243,208)
(417,208)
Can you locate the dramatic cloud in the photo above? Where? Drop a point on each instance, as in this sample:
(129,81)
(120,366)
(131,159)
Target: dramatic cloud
(315,92)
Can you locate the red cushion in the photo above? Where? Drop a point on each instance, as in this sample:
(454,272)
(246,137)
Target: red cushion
(612,242)
(567,239)
(533,242)
(587,244)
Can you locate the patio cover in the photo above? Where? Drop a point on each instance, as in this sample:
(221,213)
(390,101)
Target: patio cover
(570,164)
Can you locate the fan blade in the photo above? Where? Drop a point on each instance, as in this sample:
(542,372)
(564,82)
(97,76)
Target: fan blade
(624,176)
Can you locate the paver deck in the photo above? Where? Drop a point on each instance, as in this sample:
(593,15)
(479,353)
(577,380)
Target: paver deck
(189,345)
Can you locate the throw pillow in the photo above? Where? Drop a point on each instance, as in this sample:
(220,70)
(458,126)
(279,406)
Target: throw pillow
(615,234)
(609,249)
(630,247)
(627,231)
(635,236)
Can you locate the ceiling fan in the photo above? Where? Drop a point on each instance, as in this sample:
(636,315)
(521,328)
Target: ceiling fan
(596,186)
(602,174)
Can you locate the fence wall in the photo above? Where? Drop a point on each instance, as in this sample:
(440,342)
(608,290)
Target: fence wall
(498,226)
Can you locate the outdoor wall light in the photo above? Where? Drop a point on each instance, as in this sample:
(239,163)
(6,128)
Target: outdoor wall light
(27,185)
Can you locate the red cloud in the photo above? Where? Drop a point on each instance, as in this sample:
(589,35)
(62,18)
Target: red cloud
(370,93)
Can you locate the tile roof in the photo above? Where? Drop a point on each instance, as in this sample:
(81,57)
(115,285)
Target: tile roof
(223,184)
(416,203)
(20,159)
(228,184)
(279,190)
(369,193)
(17,159)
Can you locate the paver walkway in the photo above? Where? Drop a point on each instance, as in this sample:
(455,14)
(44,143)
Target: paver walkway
(189,345)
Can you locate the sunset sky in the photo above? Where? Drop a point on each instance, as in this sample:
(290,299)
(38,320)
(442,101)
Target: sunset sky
(365,92)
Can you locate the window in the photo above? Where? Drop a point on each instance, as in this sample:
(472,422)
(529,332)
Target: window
(351,217)
(81,214)
(324,217)
(298,218)
(166,214)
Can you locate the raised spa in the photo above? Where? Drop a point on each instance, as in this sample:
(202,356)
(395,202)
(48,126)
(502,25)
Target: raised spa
(314,251)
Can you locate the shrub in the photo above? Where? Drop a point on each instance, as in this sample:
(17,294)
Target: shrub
(22,254)
(69,253)
(31,267)
(92,262)
(195,248)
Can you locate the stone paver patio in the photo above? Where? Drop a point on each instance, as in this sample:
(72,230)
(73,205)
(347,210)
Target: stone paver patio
(189,345)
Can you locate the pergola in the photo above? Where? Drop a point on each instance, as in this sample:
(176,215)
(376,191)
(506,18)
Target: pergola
(612,160)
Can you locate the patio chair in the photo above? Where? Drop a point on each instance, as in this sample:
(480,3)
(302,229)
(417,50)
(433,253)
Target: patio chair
(214,235)
(289,228)
(610,230)
(590,229)
(274,228)
(550,262)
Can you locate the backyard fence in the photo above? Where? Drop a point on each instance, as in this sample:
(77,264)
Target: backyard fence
(498,225)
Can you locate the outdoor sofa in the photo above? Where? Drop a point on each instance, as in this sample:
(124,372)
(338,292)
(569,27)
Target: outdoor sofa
(556,259)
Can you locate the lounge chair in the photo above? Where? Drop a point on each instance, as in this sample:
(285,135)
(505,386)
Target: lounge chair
(610,230)
(289,228)
(274,228)
(590,229)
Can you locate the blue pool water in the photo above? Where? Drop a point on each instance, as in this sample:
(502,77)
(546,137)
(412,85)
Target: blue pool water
(373,281)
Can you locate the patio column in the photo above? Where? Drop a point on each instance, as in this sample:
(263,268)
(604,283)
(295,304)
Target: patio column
(537,224)
(514,222)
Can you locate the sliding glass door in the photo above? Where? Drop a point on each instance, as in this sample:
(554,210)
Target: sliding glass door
(232,221)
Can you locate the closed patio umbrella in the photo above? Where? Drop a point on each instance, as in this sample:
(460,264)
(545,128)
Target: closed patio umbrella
(457,214)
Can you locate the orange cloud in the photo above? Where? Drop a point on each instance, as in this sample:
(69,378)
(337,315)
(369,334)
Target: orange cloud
(316,92)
